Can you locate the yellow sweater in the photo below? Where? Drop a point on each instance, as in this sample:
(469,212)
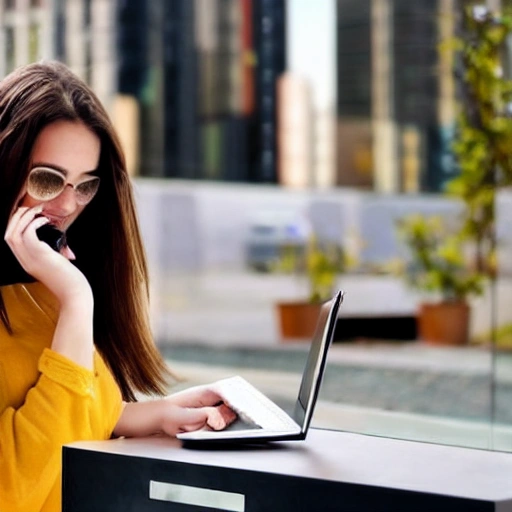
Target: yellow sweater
(46,401)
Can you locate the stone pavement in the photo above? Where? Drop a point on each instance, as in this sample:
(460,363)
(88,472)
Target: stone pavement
(455,383)
(437,403)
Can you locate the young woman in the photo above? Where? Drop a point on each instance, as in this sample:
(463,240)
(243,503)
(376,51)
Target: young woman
(75,343)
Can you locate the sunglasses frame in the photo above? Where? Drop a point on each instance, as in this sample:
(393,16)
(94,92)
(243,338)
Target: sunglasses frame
(65,184)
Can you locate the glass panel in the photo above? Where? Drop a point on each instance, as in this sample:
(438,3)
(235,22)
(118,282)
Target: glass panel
(254,128)
(500,340)
(394,136)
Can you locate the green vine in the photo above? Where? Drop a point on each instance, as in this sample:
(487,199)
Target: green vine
(482,147)
(483,138)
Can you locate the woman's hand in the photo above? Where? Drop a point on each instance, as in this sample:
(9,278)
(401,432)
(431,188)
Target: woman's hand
(185,419)
(197,396)
(39,260)
(73,336)
(186,411)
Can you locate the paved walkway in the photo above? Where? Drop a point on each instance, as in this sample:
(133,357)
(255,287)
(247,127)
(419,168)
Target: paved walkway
(454,383)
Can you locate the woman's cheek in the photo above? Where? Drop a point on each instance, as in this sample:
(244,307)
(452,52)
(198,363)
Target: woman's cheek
(26,200)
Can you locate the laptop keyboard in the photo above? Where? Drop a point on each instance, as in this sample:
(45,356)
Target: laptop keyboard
(252,406)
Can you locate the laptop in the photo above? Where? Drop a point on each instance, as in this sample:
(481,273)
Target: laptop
(259,418)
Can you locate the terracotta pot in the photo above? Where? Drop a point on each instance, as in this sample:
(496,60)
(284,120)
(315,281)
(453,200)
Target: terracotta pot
(444,323)
(297,320)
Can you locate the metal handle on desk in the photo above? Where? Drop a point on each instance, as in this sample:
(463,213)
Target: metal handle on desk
(198,496)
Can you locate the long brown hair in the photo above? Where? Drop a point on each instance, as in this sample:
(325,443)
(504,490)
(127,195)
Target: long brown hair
(105,237)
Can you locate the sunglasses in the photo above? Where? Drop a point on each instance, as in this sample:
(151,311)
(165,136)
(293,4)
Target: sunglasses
(46,184)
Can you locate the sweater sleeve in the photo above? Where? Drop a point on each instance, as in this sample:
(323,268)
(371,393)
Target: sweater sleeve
(58,409)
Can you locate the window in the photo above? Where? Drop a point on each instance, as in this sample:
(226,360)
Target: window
(10,49)
(33,42)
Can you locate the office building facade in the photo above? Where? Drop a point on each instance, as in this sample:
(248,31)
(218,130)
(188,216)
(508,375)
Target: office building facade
(192,85)
(205,80)
(396,96)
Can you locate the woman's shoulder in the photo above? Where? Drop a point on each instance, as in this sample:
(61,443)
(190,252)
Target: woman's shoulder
(31,298)
(32,312)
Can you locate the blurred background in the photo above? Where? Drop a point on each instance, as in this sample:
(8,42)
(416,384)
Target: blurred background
(254,126)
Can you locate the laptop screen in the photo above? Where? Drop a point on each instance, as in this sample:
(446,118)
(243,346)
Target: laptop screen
(315,363)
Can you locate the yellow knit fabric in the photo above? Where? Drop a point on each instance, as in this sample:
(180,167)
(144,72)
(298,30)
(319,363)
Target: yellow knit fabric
(46,401)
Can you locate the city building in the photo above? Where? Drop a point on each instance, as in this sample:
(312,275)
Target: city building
(204,75)
(193,87)
(78,32)
(396,96)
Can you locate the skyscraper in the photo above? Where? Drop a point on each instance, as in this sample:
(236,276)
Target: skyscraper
(394,114)
(204,73)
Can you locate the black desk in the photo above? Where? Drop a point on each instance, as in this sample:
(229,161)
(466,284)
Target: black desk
(330,471)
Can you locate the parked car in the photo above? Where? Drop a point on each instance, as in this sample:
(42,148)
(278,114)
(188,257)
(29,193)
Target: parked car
(269,232)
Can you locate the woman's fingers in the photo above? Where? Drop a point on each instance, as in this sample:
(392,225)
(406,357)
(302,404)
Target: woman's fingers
(35,225)
(220,417)
(68,253)
(37,258)
(205,409)
(198,396)
(215,418)
(20,221)
(193,419)
(13,221)
(21,235)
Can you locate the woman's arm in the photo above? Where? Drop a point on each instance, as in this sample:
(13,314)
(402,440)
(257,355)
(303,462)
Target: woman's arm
(73,336)
(188,410)
(59,409)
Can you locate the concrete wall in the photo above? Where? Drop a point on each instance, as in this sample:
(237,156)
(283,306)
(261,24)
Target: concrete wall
(206,225)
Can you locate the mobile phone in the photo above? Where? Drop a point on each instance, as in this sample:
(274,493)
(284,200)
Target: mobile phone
(53,236)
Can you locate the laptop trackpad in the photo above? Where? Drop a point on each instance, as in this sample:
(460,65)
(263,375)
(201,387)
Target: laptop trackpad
(241,424)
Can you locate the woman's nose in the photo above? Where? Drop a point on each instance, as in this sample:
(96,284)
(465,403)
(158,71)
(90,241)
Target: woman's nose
(65,202)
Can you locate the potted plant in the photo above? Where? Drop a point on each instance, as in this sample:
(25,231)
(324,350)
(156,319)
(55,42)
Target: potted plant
(481,146)
(437,266)
(320,262)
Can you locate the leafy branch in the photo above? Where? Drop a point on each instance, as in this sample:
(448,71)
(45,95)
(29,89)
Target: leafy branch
(483,138)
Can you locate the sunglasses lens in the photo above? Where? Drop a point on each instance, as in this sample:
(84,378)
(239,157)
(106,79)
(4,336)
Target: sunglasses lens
(44,184)
(87,190)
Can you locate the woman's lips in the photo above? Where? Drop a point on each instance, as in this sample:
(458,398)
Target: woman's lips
(58,222)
